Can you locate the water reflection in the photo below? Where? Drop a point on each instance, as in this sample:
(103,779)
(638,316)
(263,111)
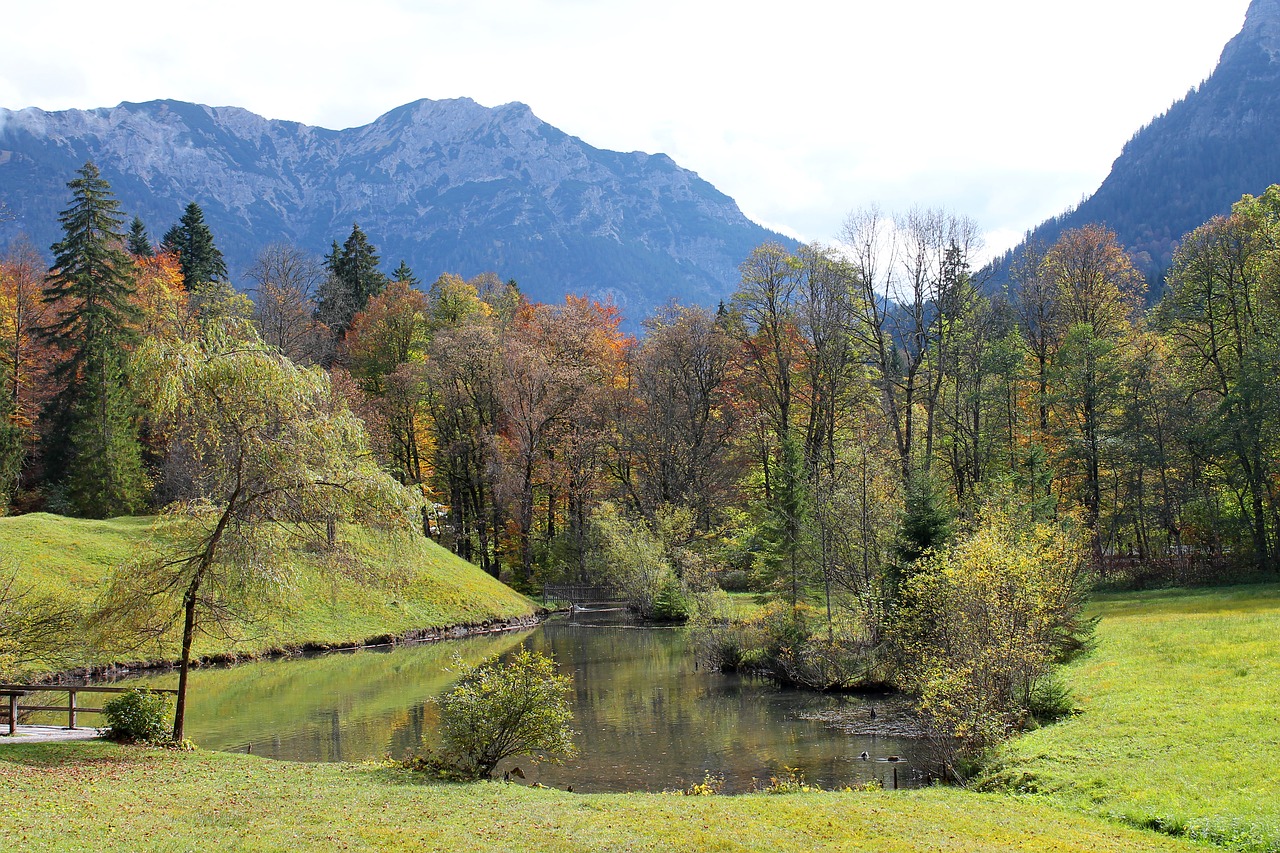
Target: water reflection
(647,718)
(650,721)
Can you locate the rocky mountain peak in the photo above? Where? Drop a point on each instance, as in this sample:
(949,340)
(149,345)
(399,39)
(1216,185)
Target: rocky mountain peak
(447,186)
(1261,30)
(1194,161)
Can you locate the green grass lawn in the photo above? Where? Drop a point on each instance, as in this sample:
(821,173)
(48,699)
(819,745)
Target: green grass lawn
(97,796)
(1180,729)
(1179,732)
(389,587)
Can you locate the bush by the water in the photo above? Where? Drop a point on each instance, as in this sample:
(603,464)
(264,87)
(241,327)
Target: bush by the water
(792,645)
(734,580)
(627,553)
(981,626)
(139,716)
(502,709)
(670,604)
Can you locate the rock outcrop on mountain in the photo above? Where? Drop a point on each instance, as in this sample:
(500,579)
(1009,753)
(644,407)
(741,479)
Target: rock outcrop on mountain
(448,186)
(1190,164)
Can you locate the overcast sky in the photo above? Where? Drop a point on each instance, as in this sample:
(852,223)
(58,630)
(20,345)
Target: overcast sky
(1005,110)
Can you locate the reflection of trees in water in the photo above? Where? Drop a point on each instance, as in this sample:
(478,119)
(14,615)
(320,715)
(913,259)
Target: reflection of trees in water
(648,719)
(334,707)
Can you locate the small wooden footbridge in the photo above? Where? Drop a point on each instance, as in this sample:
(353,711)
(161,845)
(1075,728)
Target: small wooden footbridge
(582,595)
(14,703)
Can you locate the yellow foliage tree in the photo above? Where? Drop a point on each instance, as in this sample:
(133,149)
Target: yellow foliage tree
(983,624)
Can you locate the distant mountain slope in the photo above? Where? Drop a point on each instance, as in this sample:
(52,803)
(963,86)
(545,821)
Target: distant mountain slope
(1219,142)
(449,186)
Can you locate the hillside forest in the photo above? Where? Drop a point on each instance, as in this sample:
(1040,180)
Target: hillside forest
(849,416)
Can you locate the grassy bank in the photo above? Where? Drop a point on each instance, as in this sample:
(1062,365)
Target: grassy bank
(1180,729)
(77,796)
(388,587)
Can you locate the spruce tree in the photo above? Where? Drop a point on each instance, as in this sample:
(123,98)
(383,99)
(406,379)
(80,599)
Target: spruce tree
(93,450)
(139,242)
(13,453)
(198,255)
(358,268)
(353,280)
(405,275)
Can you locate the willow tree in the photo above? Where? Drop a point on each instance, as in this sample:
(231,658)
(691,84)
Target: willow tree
(273,460)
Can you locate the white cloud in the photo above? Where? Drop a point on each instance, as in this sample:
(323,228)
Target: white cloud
(1001,109)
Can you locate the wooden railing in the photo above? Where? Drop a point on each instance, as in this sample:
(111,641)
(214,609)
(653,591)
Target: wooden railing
(580,593)
(14,692)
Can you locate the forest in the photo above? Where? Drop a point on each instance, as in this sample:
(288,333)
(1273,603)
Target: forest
(859,434)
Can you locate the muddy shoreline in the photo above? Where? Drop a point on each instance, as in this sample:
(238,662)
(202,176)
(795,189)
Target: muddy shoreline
(111,671)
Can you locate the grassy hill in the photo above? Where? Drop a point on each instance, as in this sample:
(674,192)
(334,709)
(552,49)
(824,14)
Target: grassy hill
(387,587)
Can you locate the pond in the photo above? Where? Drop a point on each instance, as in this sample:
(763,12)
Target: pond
(648,719)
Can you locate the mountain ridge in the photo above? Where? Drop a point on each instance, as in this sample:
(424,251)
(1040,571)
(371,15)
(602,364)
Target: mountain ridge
(1194,160)
(447,185)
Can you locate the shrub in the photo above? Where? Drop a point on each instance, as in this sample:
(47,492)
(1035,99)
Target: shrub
(790,645)
(501,709)
(982,626)
(711,784)
(790,781)
(139,716)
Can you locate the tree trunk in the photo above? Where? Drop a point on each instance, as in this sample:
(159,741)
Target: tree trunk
(188,634)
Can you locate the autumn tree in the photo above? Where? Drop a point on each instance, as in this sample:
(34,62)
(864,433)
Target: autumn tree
(384,347)
(770,356)
(93,449)
(1220,311)
(463,371)
(286,280)
(22,368)
(910,275)
(676,419)
(1098,293)
(556,361)
(160,297)
(824,314)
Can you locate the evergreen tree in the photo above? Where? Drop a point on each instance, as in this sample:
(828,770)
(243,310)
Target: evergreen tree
(353,280)
(139,242)
(93,451)
(358,268)
(333,259)
(404,274)
(198,255)
(13,453)
(928,522)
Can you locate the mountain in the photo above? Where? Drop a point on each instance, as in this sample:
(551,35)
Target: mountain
(1190,164)
(448,186)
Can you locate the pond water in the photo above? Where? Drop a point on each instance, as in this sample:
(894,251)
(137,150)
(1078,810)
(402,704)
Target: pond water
(647,718)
